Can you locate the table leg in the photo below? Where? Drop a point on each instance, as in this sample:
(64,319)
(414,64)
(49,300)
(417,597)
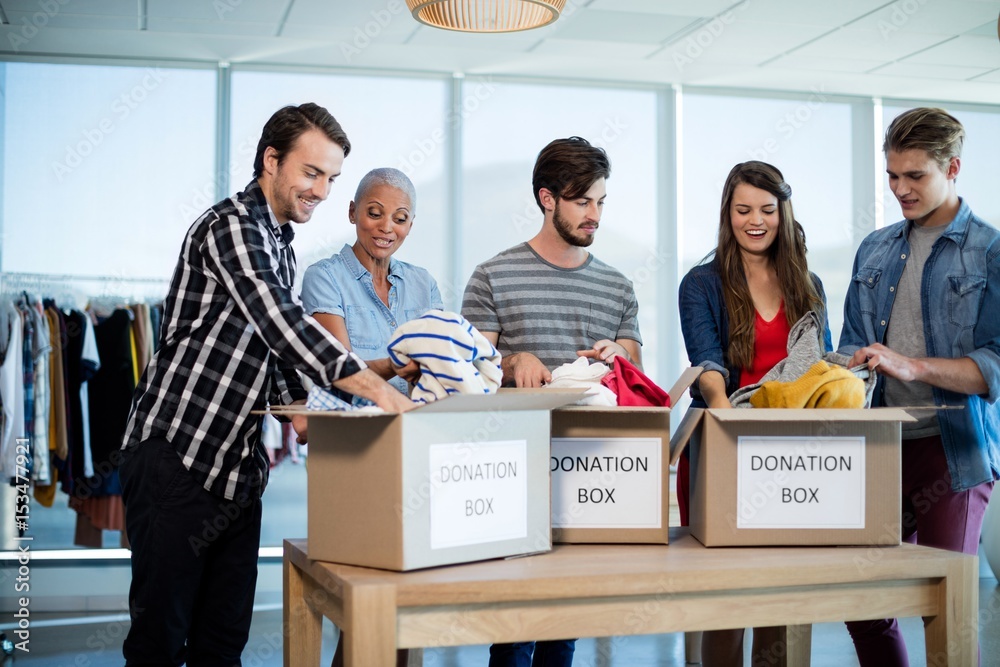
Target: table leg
(302,625)
(370,637)
(798,639)
(952,637)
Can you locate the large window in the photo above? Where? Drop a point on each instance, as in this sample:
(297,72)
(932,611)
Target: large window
(102,166)
(507,124)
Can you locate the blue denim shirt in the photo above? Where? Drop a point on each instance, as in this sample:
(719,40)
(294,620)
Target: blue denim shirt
(960,292)
(705,324)
(341,286)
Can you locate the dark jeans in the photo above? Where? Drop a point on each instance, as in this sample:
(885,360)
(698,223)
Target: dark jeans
(557,653)
(934,516)
(194,563)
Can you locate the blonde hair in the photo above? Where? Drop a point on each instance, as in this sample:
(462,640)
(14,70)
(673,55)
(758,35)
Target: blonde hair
(934,131)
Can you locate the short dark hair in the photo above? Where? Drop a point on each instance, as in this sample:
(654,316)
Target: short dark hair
(568,167)
(934,131)
(288,123)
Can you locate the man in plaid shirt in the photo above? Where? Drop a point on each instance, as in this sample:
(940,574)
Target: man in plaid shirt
(233,335)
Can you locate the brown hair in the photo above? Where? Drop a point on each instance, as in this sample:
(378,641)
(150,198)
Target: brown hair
(288,123)
(568,167)
(935,131)
(787,255)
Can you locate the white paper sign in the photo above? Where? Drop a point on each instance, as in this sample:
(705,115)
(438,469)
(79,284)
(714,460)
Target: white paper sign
(479,492)
(800,482)
(606,483)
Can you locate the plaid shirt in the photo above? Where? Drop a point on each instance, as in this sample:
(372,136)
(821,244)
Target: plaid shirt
(233,334)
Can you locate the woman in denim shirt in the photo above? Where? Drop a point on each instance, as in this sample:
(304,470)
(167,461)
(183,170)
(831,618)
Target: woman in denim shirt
(361,294)
(736,309)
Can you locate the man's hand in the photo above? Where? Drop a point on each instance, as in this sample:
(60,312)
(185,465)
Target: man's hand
(526,369)
(299,423)
(605,351)
(887,362)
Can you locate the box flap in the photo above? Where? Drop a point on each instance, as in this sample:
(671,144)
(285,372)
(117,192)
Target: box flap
(692,418)
(506,399)
(687,378)
(811,415)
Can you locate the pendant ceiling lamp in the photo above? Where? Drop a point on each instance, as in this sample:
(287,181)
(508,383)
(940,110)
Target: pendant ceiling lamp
(486,15)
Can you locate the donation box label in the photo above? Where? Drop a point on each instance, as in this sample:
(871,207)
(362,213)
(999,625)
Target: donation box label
(479,492)
(800,482)
(606,482)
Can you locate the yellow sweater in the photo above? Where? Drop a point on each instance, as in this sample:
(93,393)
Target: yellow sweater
(822,386)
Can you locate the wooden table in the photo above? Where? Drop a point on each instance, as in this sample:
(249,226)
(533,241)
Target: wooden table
(613,590)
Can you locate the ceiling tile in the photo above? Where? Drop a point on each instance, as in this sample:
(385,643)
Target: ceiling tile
(992,76)
(74,21)
(792,61)
(962,51)
(702,8)
(210,27)
(243,11)
(941,18)
(515,42)
(591,48)
(826,13)
(101,7)
(629,27)
(867,44)
(753,39)
(931,71)
(988,29)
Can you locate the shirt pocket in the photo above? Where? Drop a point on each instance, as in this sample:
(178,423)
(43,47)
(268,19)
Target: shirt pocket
(866,280)
(964,299)
(362,328)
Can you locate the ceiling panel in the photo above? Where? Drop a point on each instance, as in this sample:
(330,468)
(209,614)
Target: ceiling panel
(986,30)
(702,8)
(242,11)
(992,76)
(965,50)
(869,44)
(940,18)
(591,48)
(616,26)
(932,71)
(827,64)
(100,7)
(515,42)
(210,27)
(75,21)
(743,38)
(815,13)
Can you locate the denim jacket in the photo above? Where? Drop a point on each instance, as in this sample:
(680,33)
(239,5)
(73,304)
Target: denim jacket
(705,324)
(340,285)
(960,293)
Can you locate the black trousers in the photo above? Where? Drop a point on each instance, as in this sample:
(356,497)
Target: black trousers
(194,563)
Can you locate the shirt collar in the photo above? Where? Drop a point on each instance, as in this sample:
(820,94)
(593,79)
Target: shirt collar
(258,202)
(956,230)
(358,270)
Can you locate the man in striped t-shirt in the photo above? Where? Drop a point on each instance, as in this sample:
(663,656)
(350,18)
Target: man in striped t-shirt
(548,301)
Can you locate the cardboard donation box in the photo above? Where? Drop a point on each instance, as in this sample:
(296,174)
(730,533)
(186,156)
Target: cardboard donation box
(772,477)
(610,472)
(457,480)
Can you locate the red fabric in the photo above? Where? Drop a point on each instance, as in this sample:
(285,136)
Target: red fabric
(770,345)
(632,386)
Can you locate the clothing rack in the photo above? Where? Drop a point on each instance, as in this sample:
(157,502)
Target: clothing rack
(77,289)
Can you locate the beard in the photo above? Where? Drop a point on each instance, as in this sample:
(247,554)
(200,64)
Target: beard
(566,232)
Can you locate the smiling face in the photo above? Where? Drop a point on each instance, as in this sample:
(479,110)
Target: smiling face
(295,185)
(755,219)
(924,189)
(383,219)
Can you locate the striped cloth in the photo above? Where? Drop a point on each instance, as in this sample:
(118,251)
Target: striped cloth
(454,358)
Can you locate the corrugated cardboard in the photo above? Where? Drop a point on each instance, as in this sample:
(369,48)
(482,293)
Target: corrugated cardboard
(372,491)
(624,495)
(717,513)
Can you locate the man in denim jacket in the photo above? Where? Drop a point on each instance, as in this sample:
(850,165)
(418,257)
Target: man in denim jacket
(923,309)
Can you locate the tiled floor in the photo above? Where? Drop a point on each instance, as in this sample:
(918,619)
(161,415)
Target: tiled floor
(95,641)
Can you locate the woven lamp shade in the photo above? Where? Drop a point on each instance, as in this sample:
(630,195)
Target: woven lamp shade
(486,15)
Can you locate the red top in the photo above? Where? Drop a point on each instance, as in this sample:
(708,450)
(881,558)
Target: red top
(770,346)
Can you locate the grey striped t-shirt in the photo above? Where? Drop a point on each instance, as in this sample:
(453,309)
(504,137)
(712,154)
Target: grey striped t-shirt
(549,311)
